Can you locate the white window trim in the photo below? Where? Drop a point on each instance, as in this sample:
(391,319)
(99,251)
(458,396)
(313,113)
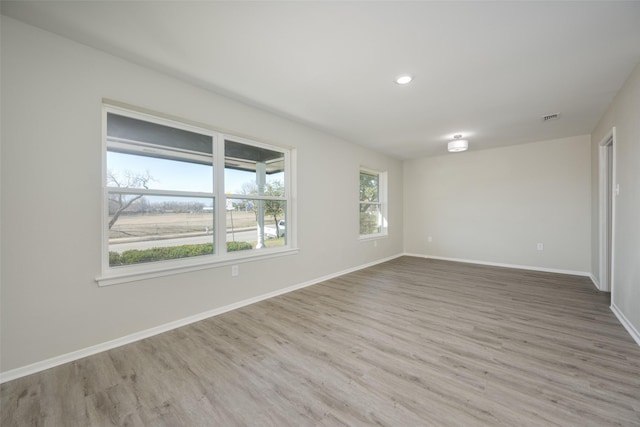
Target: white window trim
(382,202)
(170,267)
(135,272)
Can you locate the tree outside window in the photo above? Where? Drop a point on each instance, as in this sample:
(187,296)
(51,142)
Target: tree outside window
(372,203)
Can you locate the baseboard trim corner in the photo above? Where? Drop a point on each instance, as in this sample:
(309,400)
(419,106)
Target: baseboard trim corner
(596,282)
(625,322)
(147,333)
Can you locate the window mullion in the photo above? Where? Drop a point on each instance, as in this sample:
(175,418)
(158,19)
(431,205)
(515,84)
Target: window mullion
(220,200)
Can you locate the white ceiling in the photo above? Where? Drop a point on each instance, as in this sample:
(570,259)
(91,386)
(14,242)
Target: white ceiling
(488,70)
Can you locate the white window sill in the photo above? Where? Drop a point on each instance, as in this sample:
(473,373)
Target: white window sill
(127,274)
(367,237)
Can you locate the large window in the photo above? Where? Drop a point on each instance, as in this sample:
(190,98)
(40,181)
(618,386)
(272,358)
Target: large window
(182,196)
(373,203)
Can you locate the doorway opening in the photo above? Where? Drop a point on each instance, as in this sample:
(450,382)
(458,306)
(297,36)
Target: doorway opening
(607,210)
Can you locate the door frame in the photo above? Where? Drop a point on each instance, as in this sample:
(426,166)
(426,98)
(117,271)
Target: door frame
(607,221)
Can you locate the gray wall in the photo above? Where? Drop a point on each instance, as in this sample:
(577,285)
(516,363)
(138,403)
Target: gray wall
(624,114)
(495,205)
(51,200)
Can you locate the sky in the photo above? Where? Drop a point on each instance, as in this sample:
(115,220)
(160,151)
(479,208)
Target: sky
(177,175)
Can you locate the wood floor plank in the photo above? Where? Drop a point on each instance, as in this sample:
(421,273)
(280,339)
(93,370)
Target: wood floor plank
(411,342)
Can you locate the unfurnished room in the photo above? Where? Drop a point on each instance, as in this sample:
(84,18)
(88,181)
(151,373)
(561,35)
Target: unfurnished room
(319,213)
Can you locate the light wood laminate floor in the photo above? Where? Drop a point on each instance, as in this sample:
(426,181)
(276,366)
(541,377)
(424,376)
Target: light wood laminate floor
(411,342)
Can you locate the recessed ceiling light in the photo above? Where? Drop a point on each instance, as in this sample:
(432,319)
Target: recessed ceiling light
(403,79)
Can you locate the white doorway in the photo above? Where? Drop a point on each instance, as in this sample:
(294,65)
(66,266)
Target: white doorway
(607,209)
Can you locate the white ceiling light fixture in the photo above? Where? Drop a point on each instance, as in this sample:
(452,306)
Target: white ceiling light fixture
(458,144)
(404,79)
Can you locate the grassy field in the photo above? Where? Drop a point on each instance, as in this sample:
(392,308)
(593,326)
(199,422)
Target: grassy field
(151,227)
(169,224)
(144,226)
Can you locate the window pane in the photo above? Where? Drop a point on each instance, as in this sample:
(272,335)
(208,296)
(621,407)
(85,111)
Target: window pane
(145,228)
(253,170)
(247,217)
(141,171)
(369,185)
(370,218)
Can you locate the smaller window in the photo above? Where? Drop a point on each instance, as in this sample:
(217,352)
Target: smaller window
(373,203)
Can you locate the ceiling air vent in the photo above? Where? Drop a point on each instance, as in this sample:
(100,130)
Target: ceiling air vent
(551,117)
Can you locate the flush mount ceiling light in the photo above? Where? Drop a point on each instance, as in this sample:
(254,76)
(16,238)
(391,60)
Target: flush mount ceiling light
(404,79)
(458,144)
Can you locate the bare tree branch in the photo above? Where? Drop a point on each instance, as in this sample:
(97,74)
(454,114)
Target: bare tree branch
(123,206)
(131,180)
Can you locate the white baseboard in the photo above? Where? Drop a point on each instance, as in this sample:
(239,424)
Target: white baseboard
(595,281)
(499,264)
(137,336)
(627,325)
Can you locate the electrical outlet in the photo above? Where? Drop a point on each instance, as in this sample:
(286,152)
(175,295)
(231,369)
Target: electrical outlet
(540,247)
(234,271)
(429,239)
